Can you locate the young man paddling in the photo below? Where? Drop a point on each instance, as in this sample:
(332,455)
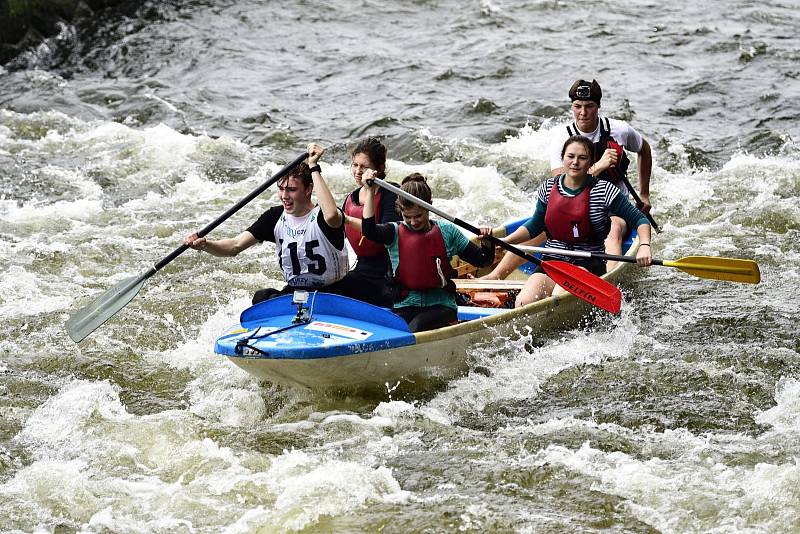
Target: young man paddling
(610,137)
(309,238)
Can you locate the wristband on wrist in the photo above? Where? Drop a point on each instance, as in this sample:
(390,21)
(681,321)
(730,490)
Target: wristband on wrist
(645,245)
(315,168)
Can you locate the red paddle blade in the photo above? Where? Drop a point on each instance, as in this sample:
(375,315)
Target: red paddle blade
(584,285)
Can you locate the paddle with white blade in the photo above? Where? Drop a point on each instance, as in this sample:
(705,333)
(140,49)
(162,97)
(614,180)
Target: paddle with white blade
(577,281)
(712,267)
(87,319)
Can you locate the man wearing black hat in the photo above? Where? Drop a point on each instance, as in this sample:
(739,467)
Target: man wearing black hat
(612,137)
(609,136)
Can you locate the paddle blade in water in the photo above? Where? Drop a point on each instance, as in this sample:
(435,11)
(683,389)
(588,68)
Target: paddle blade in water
(584,285)
(730,269)
(86,320)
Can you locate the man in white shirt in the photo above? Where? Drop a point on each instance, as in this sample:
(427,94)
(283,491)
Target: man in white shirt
(608,135)
(614,136)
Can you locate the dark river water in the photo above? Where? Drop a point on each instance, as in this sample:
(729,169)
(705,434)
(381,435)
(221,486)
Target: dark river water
(120,135)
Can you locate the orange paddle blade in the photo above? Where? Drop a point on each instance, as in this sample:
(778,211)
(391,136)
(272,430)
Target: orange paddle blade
(584,285)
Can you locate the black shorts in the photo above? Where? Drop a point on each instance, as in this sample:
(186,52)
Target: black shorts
(420,319)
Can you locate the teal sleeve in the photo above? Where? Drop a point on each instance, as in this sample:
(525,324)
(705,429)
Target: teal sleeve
(535,225)
(621,207)
(454,241)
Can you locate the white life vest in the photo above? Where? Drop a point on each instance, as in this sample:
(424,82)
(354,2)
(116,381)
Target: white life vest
(305,255)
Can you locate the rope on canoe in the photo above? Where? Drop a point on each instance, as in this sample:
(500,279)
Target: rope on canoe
(244,343)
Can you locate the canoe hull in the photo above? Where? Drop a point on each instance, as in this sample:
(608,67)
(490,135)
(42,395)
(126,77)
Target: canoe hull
(408,358)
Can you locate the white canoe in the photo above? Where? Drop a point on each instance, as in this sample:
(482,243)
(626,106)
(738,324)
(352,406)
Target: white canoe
(349,344)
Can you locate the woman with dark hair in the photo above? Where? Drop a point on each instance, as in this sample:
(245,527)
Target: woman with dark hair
(420,250)
(574,210)
(370,279)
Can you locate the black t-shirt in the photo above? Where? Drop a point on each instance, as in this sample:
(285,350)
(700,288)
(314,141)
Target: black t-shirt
(264,228)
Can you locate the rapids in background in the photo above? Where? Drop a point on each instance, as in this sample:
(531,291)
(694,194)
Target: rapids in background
(123,133)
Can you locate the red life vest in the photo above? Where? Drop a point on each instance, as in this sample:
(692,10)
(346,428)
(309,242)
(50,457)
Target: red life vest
(617,172)
(423,261)
(361,245)
(567,218)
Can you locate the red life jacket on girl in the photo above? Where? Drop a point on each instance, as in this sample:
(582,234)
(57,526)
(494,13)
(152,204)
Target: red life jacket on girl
(361,245)
(423,261)
(617,172)
(567,218)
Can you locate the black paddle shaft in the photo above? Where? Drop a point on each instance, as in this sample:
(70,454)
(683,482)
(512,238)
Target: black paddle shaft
(499,242)
(639,202)
(615,257)
(233,209)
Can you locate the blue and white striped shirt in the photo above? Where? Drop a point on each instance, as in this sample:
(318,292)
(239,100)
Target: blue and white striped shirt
(604,200)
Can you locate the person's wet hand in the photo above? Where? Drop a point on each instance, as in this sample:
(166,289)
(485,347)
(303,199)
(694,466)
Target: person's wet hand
(368,179)
(608,160)
(195,242)
(644,257)
(315,152)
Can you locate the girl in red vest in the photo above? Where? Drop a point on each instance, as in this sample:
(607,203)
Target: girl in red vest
(370,280)
(420,251)
(574,210)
